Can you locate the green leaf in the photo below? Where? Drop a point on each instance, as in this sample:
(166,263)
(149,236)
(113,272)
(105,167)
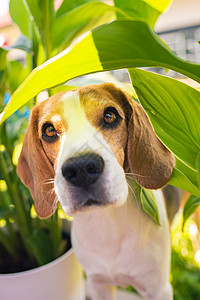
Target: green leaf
(149,204)
(120,44)
(86,17)
(138,10)
(190,173)
(4,212)
(19,12)
(144,10)
(20,16)
(3,53)
(191,205)
(159,5)
(16,73)
(41,246)
(41,13)
(173,108)
(181,181)
(67,6)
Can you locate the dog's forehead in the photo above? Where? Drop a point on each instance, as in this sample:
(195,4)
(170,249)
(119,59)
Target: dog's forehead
(81,104)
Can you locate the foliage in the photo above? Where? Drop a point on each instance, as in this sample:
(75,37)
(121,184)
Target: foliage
(23,236)
(185,273)
(127,42)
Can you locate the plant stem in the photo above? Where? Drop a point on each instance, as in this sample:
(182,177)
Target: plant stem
(21,218)
(4,239)
(10,229)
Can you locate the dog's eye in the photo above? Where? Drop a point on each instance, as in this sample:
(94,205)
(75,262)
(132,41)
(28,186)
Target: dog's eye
(111,116)
(49,133)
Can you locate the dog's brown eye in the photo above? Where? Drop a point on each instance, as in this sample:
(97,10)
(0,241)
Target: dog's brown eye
(111,117)
(49,133)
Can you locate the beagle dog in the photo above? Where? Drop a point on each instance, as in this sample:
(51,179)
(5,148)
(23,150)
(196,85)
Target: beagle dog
(89,149)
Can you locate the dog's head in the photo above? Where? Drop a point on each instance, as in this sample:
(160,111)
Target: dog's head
(80,143)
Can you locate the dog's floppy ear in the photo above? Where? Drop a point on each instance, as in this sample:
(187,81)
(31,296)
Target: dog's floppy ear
(149,160)
(36,171)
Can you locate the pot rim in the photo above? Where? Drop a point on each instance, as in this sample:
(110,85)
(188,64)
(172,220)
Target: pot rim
(38,269)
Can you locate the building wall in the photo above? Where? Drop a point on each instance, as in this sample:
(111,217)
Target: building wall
(182,13)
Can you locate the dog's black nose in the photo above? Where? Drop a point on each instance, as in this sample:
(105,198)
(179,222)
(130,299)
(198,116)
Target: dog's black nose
(83,170)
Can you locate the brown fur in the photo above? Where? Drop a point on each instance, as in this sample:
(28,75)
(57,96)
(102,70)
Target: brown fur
(148,159)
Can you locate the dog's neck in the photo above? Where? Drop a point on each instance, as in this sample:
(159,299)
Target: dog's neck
(117,217)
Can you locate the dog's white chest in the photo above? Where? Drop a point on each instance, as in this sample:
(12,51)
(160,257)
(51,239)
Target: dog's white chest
(113,244)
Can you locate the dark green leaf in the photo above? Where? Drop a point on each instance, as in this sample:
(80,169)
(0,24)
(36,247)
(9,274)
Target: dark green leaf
(41,246)
(4,212)
(149,204)
(191,205)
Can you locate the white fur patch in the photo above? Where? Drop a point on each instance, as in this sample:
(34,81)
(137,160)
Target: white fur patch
(80,138)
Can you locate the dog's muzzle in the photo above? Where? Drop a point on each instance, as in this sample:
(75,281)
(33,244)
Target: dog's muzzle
(83,171)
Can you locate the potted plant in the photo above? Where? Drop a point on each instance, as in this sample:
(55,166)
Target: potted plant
(36,253)
(124,43)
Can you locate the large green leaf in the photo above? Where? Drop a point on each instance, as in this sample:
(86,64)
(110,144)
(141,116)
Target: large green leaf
(173,108)
(81,19)
(120,44)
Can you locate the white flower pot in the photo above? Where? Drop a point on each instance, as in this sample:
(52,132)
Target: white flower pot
(61,279)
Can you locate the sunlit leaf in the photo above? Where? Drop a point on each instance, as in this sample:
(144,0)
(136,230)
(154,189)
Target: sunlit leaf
(159,5)
(145,10)
(114,46)
(138,10)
